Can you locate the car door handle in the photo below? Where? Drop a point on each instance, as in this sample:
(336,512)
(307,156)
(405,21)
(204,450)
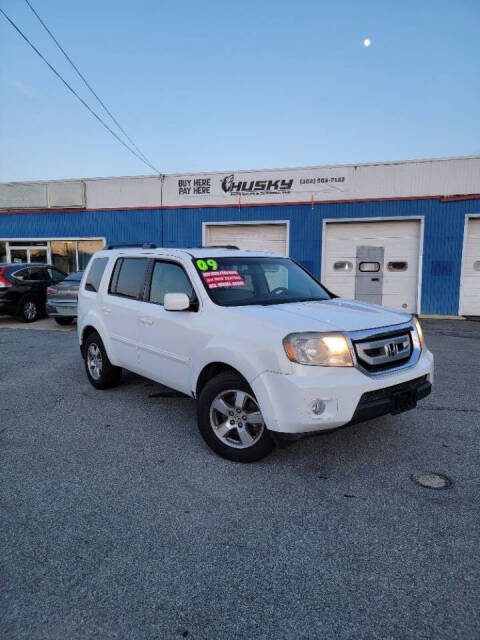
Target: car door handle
(106,310)
(145,320)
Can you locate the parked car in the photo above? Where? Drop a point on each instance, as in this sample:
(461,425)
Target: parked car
(62,299)
(265,349)
(23,288)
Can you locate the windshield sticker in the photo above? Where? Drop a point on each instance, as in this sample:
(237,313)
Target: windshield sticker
(221,279)
(205,265)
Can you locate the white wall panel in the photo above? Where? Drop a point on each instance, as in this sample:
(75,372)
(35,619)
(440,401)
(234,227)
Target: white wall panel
(344,182)
(118,193)
(441,177)
(23,196)
(66,194)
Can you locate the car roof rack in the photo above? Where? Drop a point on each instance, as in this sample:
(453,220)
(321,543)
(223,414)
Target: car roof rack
(132,245)
(216,246)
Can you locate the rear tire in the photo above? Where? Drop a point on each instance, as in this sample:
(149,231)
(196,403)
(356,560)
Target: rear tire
(230,419)
(63,320)
(28,309)
(101,373)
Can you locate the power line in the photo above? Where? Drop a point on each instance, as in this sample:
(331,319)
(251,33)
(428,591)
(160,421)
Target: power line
(95,115)
(87,84)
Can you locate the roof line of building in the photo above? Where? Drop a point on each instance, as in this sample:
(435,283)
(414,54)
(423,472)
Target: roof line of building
(201,173)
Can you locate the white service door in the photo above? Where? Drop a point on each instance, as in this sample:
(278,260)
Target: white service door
(346,263)
(256,237)
(470,285)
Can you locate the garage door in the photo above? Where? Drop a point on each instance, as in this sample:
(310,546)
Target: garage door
(257,237)
(376,262)
(470,285)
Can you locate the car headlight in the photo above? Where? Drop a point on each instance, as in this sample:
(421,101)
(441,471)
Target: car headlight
(421,339)
(321,349)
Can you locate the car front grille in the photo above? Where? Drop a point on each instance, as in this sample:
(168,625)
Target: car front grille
(384,351)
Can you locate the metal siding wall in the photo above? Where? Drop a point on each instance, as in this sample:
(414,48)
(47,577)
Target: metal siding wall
(443,238)
(115,226)
(442,248)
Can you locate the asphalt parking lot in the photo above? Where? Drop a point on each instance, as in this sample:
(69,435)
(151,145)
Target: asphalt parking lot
(116,520)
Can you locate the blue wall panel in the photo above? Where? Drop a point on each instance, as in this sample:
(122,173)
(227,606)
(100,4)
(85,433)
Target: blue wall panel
(116,226)
(443,232)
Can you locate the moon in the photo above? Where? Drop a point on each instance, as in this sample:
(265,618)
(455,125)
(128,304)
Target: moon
(367,42)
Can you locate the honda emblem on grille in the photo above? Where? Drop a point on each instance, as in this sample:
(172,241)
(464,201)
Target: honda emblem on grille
(391,349)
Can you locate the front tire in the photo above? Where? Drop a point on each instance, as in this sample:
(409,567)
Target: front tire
(230,419)
(101,373)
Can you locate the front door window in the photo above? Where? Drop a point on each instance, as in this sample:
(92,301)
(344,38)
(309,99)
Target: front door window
(19,255)
(38,255)
(28,254)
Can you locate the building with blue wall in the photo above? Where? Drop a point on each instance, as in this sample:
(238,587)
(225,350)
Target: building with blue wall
(421,218)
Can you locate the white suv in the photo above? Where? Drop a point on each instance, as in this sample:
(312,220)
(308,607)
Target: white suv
(268,352)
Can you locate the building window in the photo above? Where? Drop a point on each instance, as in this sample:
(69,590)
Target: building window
(397,266)
(343,266)
(67,255)
(86,249)
(369,266)
(64,255)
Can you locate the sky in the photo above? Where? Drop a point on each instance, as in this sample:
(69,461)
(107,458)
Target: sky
(221,85)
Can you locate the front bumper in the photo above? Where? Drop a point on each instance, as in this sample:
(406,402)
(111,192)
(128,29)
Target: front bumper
(347,394)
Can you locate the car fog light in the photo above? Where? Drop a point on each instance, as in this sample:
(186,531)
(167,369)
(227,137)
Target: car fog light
(318,407)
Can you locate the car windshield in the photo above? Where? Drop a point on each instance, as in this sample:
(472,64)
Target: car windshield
(248,281)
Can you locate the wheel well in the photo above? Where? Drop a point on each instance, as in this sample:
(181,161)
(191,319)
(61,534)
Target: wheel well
(87,332)
(211,370)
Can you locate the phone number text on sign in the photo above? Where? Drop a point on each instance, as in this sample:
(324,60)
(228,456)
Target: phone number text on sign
(219,279)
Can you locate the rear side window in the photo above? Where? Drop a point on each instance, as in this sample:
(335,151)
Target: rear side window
(128,277)
(95,274)
(21,275)
(38,275)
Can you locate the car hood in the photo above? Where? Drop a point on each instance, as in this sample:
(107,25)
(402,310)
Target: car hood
(336,314)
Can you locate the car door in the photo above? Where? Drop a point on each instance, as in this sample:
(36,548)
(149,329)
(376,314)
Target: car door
(167,339)
(119,309)
(38,281)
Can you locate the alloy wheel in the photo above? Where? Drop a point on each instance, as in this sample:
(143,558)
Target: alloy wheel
(94,361)
(236,419)
(30,310)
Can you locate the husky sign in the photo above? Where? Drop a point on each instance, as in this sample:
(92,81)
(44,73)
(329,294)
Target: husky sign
(289,185)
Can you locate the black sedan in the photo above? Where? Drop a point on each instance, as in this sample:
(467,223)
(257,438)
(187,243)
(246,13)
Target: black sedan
(62,299)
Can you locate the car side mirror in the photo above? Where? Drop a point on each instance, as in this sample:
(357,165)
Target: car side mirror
(176,302)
